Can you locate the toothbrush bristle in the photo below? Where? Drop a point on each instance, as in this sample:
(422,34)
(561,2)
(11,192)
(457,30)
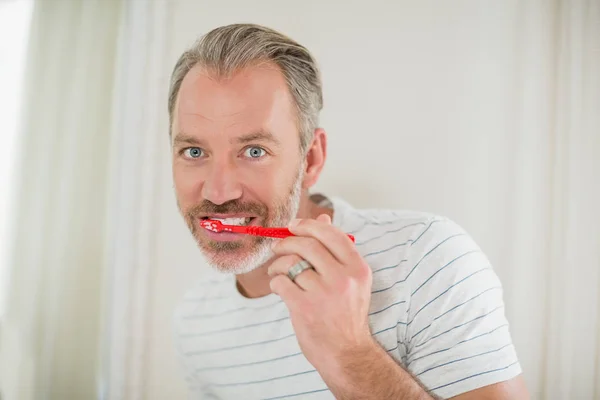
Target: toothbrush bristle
(212,225)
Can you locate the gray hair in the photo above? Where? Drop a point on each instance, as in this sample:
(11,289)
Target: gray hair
(229,48)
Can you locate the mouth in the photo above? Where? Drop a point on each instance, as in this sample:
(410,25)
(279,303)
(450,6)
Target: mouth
(232,219)
(239,220)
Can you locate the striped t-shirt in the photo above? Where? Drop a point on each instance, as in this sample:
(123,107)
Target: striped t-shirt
(436,307)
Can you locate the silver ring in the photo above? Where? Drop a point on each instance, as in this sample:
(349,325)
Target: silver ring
(298,268)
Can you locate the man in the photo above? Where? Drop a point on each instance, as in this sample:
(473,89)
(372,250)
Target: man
(412,310)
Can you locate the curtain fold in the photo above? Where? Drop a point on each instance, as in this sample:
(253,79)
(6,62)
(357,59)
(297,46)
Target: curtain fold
(51,333)
(572,332)
(140,137)
(551,265)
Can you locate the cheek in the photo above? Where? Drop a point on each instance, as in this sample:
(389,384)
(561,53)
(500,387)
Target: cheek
(187,183)
(264,183)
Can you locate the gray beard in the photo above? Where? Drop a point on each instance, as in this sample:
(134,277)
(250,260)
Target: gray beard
(262,253)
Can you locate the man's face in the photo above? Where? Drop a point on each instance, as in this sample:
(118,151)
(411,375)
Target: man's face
(236,155)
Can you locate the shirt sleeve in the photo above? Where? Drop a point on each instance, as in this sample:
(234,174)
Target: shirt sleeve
(456,335)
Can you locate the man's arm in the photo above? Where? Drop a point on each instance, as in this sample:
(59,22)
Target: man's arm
(457,338)
(372,374)
(329,311)
(329,307)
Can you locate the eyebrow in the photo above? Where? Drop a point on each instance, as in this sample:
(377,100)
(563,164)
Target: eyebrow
(183,138)
(264,136)
(261,135)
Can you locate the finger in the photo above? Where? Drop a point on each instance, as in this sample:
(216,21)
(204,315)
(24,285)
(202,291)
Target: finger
(324,218)
(308,280)
(282,264)
(289,292)
(311,250)
(337,242)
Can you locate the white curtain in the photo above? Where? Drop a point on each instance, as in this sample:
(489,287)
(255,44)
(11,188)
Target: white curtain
(552,258)
(571,257)
(51,331)
(139,134)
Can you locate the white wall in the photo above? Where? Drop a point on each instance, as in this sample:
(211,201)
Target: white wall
(438,106)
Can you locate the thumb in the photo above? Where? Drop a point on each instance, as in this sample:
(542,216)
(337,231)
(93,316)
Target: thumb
(324,218)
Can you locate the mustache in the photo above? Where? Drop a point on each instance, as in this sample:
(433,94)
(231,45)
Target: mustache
(230,207)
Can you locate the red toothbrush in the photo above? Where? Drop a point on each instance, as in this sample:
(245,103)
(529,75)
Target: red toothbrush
(279,233)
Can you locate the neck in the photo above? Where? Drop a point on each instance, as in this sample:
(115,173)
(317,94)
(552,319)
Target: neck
(256,282)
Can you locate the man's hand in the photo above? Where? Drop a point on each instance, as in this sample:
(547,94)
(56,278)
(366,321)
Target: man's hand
(329,305)
(329,309)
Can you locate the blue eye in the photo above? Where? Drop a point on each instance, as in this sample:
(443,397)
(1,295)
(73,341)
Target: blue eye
(193,152)
(254,152)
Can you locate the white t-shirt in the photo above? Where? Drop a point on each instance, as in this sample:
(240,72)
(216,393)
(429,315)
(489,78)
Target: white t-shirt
(436,307)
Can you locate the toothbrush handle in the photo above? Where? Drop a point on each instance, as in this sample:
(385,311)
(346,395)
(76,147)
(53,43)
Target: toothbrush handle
(269,232)
(257,231)
(279,233)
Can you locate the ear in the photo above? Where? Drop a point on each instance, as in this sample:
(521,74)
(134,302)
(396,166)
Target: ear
(315,158)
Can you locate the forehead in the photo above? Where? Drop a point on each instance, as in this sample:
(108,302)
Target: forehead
(253,98)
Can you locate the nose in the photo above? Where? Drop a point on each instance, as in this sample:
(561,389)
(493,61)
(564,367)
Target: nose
(221,184)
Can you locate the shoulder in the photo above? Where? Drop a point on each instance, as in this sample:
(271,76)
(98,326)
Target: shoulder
(380,229)
(419,237)
(431,255)
(443,254)
(452,327)
(386,235)
(423,240)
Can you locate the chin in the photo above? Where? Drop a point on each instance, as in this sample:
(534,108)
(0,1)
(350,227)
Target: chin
(238,262)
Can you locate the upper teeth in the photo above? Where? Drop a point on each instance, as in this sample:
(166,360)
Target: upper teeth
(233,221)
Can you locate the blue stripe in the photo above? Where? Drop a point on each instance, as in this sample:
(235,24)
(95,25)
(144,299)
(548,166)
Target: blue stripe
(439,270)
(390,231)
(461,342)
(447,290)
(261,381)
(464,358)
(247,364)
(235,328)
(200,316)
(390,306)
(376,223)
(387,329)
(458,326)
(425,230)
(297,394)
(389,287)
(390,267)
(393,348)
(473,376)
(454,308)
(417,264)
(386,250)
(196,353)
